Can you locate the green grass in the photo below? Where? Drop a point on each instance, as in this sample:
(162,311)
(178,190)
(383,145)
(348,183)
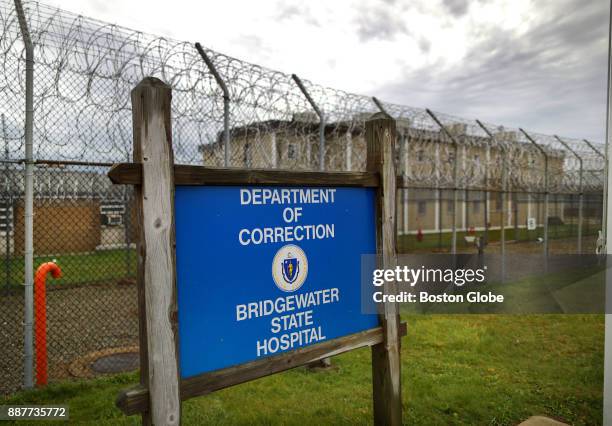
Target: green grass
(109,265)
(99,266)
(457,370)
(407,243)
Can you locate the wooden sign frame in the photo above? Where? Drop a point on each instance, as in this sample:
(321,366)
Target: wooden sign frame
(160,392)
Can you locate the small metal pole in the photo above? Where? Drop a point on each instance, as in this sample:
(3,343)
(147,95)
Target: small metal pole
(546,192)
(440,218)
(321,120)
(226,103)
(406,169)
(515,215)
(598,152)
(502,235)
(380,106)
(6,207)
(466,212)
(604,216)
(126,225)
(29,200)
(455,189)
(325,362)
(580,191)
(486,198)
(607,385)
(401,193)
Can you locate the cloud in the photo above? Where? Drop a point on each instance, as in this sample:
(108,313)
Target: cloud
(538,64)
(457,8)
(379,23)
(551,77)
(290,11)
(424,45)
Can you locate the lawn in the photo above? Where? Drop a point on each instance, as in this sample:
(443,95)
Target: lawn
(460,370)
(409,243)
(112,265)
(94,267)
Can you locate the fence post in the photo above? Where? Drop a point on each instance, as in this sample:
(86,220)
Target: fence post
(127,218)
(321,116)
(607,244)
(380,106)
(405,160)
(29,199)
(226,103)
(486,197)
(325,362)
(386,362)
(546,192)
(604,216)
(8,204)
(502,235)
(598,152)
(438,196)
(151,114)
(580,193)
(455,189)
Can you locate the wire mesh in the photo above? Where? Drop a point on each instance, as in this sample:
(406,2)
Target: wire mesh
(84,72)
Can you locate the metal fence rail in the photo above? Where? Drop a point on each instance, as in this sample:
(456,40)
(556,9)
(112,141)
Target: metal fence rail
(459,178)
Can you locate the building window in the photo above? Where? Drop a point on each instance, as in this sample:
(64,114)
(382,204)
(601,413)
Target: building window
(499,200)
(291,151)
(246,155)
(422,207)
(451,157)
(111,214)
(477,206)
(477,160)
(420,157)
(6,217)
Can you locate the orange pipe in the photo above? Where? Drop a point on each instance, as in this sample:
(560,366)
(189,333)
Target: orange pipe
(40,315)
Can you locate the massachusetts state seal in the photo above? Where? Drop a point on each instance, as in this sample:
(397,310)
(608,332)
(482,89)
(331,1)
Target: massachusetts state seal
(289,268)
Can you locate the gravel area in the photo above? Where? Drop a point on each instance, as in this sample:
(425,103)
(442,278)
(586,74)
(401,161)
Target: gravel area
(80,320)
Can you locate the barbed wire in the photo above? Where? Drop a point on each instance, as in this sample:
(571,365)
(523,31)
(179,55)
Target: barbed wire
(84,72)
(85,69)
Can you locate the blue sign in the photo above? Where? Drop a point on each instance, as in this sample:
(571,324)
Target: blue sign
(265,270)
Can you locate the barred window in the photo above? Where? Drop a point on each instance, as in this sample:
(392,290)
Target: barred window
(422,207)
(291,151)
(246,155)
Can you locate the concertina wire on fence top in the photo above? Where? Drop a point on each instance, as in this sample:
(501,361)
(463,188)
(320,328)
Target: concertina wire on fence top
(83,74)
(85,69)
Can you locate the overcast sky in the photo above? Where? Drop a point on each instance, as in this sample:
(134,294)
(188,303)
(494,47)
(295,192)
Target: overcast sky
(538,64)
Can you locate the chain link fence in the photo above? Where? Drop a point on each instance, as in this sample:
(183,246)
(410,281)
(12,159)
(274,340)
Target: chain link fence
(461,179)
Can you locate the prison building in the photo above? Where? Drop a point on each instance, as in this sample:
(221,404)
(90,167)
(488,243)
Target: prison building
(425,158)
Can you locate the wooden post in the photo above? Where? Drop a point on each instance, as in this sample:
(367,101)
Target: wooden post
(151,117)
(386,378)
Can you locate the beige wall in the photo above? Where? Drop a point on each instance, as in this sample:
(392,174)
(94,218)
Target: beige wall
(61,226)
(287,149)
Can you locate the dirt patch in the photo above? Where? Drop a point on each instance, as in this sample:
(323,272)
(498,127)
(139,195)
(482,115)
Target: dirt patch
(80,320)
